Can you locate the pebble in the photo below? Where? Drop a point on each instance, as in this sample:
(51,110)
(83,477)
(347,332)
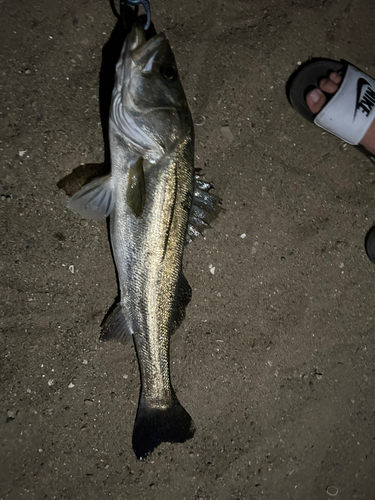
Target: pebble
(227,134)
(254,248)
(71,385)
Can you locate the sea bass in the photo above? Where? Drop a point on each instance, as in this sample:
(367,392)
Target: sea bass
(156,203)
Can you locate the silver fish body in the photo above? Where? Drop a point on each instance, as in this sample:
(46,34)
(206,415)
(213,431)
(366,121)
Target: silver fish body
(148,254)
(155,202)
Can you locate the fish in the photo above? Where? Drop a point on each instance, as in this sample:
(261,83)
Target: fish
(156,203)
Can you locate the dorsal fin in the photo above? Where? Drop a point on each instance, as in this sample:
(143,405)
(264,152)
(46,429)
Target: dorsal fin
(183,297)
(205,207)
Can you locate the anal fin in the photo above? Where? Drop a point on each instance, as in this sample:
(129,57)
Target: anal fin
(114,326)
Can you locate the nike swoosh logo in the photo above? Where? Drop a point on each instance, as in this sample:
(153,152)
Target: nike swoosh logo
(361,82)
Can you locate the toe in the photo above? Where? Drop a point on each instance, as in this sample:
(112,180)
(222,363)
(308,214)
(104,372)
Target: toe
(328,85)
(315,99)
(335,77)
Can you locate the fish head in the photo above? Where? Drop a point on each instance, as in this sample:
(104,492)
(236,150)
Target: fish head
(149,105)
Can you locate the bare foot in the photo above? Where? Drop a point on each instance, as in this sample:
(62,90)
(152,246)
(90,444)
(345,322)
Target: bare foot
(315,99)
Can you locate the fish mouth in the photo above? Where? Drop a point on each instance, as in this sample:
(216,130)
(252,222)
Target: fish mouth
(141,49)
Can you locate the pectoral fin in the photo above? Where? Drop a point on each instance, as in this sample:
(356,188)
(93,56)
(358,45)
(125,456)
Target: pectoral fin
(95,200)
(136,190)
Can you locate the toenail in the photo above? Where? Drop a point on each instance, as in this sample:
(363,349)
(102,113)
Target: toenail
(315,95)
(335,77)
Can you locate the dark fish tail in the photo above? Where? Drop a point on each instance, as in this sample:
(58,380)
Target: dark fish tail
(154,426)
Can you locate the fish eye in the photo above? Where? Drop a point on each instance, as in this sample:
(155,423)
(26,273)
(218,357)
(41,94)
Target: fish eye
(169,72)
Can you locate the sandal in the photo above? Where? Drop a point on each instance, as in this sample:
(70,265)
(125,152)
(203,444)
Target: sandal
(349,112)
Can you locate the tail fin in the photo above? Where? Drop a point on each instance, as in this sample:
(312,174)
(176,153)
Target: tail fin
(154,426)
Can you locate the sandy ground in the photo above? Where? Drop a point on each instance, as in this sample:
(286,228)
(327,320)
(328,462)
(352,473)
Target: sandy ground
(275,359)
